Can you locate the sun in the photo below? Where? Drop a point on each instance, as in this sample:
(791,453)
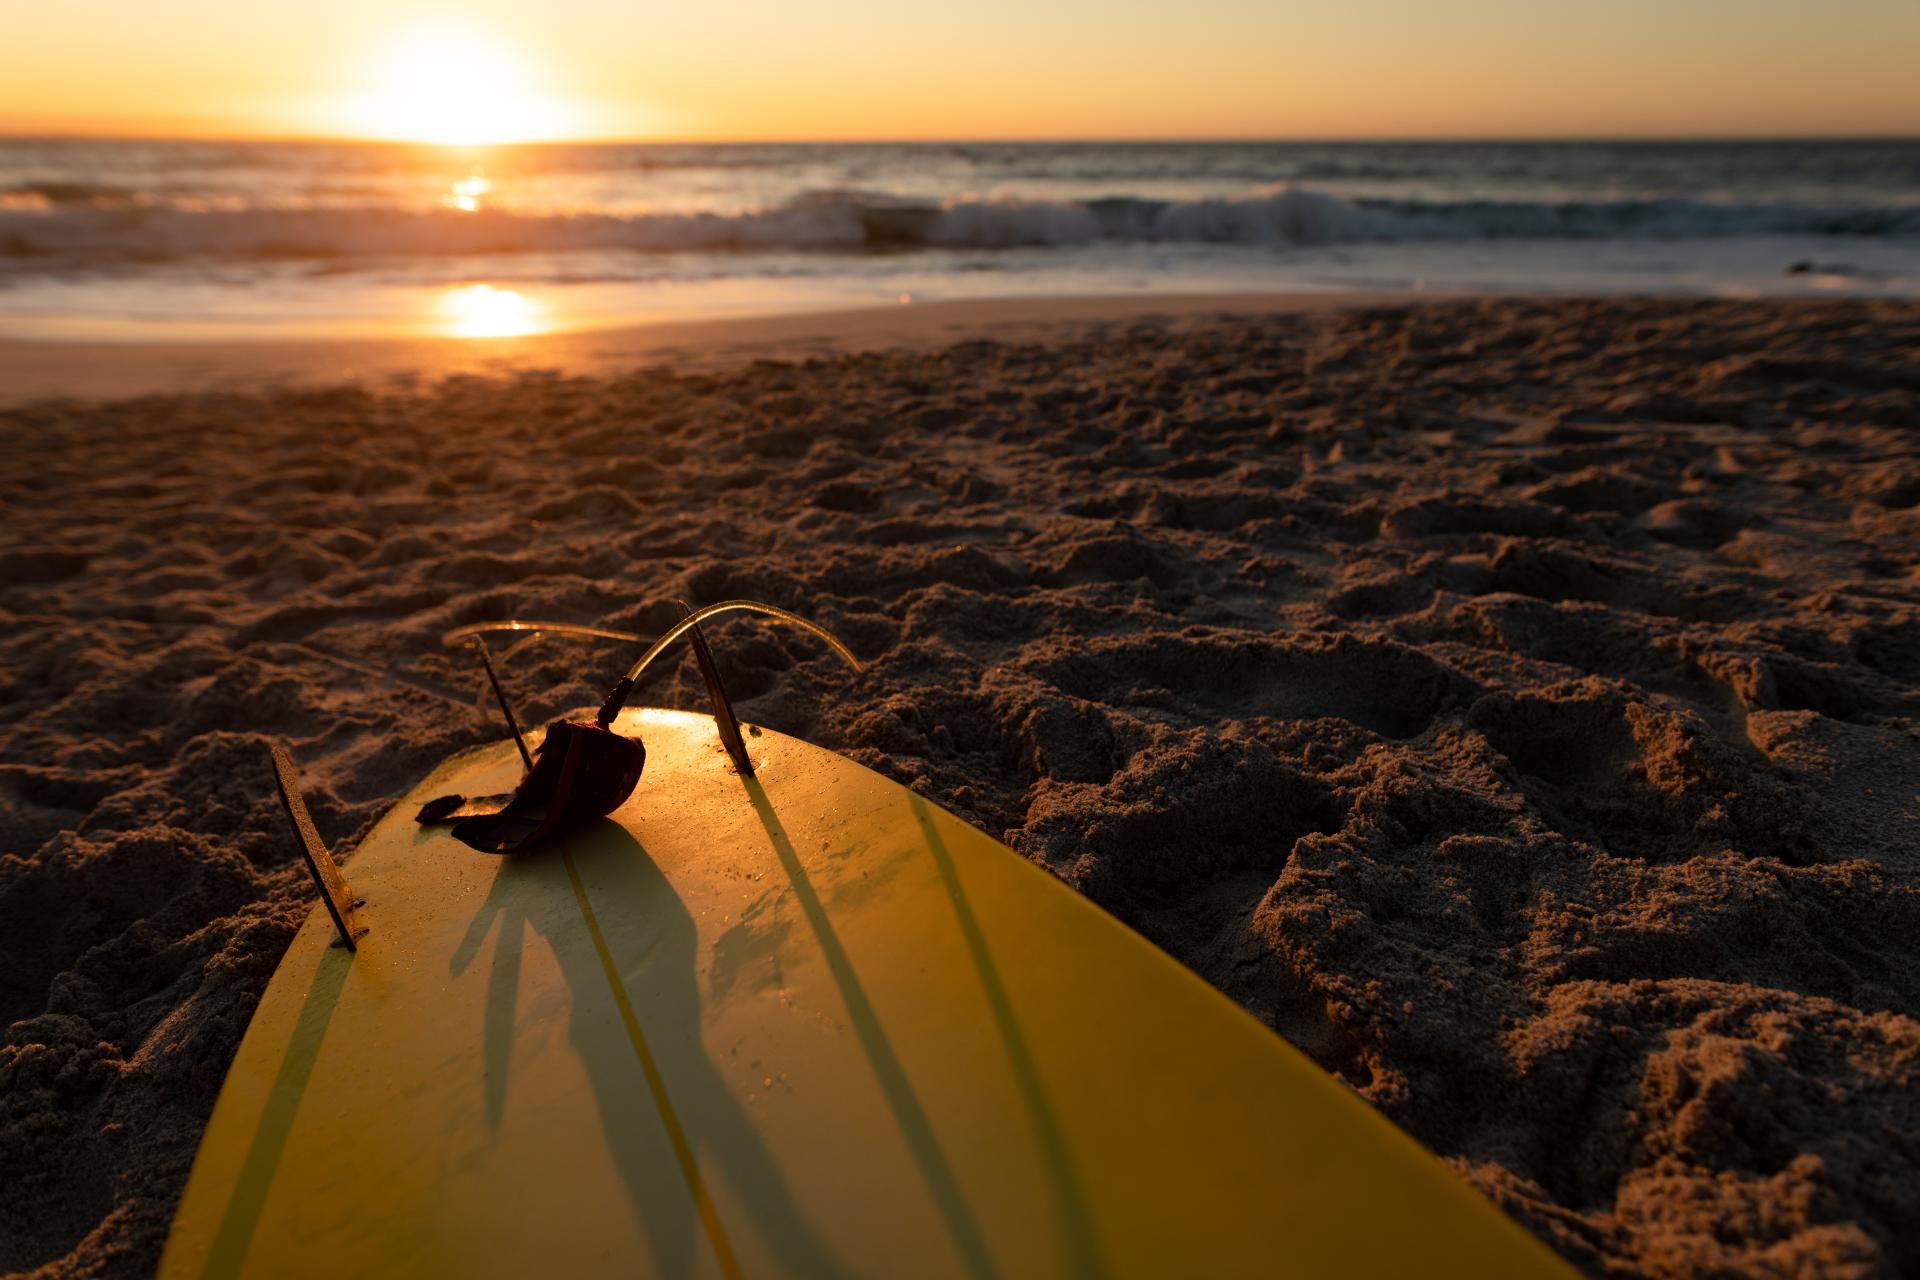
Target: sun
(453,83)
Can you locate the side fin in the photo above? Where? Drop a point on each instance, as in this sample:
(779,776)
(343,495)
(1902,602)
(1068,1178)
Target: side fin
(717,695)
(500,695)
(320,864)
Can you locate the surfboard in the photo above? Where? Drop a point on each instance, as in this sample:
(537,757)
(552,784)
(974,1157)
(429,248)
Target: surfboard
(797,1023)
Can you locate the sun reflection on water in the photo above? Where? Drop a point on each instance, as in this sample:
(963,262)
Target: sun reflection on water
(466,194)
(482,311)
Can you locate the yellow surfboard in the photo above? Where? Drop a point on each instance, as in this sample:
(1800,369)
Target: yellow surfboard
(802,1023)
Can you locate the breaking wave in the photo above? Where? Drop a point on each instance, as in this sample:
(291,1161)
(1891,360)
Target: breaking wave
(72,223)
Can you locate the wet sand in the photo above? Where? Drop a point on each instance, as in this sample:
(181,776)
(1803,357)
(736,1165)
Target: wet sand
(31,371)
(1511,702)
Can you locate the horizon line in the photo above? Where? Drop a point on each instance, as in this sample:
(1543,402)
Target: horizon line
(10,136)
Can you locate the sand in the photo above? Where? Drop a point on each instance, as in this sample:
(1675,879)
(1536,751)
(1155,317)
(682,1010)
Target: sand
(1510,702)
(37,370)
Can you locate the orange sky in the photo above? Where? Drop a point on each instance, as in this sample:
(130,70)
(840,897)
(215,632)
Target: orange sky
(985,69)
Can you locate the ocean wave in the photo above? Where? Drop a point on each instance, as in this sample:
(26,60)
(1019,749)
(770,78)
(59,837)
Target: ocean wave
(89,225)
(45,195)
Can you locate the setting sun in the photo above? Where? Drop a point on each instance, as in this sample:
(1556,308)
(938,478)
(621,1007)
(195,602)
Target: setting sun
(452,83)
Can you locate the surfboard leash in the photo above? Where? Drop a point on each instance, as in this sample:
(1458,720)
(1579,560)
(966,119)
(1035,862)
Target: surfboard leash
(585,769)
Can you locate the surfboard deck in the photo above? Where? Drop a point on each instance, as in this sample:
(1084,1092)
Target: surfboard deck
(803,1023)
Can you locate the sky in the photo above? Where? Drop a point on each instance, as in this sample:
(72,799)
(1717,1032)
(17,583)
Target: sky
(495,70)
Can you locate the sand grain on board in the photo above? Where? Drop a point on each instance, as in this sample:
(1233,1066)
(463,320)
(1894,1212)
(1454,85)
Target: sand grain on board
(1512,703)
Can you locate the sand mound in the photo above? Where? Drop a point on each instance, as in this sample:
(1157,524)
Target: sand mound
(1512,703)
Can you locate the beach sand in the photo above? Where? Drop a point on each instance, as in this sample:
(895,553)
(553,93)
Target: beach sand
(1511,702)
(34,370)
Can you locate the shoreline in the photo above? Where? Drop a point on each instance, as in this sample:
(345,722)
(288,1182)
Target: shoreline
(32,370)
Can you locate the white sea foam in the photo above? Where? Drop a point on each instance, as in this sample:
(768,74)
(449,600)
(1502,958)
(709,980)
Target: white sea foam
(61,228)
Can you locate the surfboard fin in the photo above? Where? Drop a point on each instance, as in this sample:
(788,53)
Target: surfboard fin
(500,696)
(717,694)
(334,890)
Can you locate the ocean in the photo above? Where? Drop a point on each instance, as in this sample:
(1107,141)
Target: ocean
(156,240)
